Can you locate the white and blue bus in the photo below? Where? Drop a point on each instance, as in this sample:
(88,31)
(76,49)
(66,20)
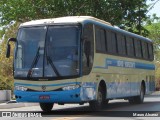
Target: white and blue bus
(80,59)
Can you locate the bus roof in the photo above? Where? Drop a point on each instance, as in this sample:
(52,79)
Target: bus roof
(67,19)
(81,19)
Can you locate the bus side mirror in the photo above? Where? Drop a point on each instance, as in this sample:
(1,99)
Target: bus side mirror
(8,50)
(9,46)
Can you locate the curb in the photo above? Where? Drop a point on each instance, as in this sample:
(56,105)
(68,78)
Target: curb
(16,105)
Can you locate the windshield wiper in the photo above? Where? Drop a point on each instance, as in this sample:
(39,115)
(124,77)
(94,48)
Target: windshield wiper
(34,63)
(53,66)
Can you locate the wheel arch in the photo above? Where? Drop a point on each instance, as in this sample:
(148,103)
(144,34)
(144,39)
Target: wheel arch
(102,83)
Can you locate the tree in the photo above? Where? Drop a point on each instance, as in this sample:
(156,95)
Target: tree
(125,14)
(154,34)
(6,70)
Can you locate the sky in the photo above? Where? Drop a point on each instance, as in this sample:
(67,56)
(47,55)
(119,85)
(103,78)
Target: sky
(156,8)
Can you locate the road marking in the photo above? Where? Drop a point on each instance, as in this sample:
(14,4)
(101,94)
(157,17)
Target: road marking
(66,118)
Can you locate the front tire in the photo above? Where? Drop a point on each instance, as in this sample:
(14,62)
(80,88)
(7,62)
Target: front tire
(98,104)
(46,107)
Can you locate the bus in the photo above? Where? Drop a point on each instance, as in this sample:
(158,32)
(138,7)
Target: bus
(80,59)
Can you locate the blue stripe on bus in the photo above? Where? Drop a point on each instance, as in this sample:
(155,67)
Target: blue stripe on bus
(145,66)
(35,85)
(126,64)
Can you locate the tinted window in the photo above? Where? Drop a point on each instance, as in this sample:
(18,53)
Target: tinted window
(111,42)
(114,42)
(124,47)
(121,44)
(145,50)
(138,48)
(150,50)
(100,40)
(130,47)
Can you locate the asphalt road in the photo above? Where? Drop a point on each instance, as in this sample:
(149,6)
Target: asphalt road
(116,109)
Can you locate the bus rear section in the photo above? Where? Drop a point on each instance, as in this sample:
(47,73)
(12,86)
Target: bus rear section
(124,62)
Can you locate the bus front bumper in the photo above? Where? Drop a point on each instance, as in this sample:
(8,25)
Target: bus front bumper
(85,93)
(68,96)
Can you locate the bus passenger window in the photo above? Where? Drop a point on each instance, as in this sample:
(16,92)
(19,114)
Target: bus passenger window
(100,40)
(108,42)
(130,47)
(111,42)
(114,42)
(124,49)
(150,50)
(144,50)
(121,44)
(138,48)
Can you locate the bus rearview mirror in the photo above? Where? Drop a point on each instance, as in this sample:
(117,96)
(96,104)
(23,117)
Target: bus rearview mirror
(9,46)
(8,51)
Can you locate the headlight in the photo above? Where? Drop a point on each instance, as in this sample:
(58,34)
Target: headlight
(71,87)
(21,88)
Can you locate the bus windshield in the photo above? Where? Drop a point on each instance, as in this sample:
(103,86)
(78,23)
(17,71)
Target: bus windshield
(47,52)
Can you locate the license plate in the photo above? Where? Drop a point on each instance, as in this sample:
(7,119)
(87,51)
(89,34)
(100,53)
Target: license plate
(44,97)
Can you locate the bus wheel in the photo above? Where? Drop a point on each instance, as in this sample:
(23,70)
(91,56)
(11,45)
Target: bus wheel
(131,100)
(138,99)
(106,102)
(46,107)
(97,104)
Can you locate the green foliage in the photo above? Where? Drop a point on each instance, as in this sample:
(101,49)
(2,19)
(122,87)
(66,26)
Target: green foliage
(6,70)
(154,34)
(123,13)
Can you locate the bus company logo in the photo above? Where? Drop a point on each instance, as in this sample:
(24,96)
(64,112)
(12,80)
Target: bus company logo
(43,87)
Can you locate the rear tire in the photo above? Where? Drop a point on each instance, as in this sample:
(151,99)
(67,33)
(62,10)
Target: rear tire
(138,99)
(106,102)
(98,104)
(46,107)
